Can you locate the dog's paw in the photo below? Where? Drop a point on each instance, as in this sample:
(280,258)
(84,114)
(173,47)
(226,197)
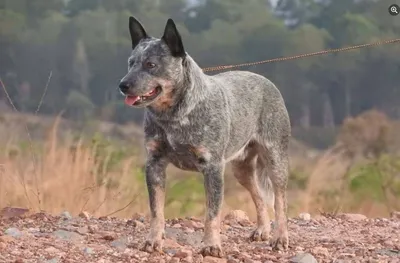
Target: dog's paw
(260,234)
(151,246)
(213,251)
(280,242)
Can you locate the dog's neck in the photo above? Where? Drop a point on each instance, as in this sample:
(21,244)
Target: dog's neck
(189,90)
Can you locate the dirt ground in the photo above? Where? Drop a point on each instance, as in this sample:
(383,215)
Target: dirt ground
(52,239)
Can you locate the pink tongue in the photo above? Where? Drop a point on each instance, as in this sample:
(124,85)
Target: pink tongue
(130,100)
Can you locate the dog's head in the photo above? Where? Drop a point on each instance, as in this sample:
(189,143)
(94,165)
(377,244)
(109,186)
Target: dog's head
(154,67)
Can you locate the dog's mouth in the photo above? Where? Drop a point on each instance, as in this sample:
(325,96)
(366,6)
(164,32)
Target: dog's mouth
(144,99)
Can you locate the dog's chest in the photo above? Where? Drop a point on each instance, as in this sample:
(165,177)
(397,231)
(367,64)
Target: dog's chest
(185,148)
(186,153)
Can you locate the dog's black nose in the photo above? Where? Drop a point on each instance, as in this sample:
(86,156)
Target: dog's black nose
(124,86)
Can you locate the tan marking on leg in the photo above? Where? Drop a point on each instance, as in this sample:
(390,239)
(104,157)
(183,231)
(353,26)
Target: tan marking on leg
(152,145)
(200,152)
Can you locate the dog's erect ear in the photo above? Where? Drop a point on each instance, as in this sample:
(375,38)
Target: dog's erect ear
(173,39)
(137,31)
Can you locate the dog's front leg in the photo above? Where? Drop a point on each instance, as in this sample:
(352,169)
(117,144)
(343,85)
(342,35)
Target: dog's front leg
(155,179)
(214,189)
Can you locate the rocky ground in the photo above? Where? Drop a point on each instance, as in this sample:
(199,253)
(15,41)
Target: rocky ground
(52,239)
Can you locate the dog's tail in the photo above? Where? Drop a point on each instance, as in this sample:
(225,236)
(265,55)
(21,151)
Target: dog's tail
(265,184)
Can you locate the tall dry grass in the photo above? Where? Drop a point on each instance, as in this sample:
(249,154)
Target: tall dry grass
(68,175)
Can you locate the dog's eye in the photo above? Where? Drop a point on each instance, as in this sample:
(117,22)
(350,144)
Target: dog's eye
(150,65)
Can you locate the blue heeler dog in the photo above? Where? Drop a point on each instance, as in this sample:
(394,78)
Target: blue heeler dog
(200,123)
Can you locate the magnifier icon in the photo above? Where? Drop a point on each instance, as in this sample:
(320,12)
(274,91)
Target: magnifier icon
(394,10)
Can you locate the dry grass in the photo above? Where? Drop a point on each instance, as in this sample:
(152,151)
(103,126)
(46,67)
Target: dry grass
(77,174)
(69,177)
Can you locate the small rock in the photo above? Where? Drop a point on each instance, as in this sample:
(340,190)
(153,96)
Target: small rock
(193,224)
(6,239)
(209,259)
(8,212)
(121,244)
(299,249)
(303,258)
(177,226)
(139,217)
(108,236)
(238,216)
(84,215)
(52,250)
(66,215)
(67,235)
(232,260)
(305,216)
(93,229)
(395,214)
(139,224)
(82,230)
(53,260)
(188,230)
(174,260)
(352,217)
(320,251)
(13,232)
(88,250)
(183,253)
(170,243)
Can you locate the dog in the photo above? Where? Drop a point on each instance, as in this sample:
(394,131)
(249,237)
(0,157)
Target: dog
(199,122)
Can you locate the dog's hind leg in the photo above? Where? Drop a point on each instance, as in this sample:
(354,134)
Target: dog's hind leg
(276,158)
(245,172)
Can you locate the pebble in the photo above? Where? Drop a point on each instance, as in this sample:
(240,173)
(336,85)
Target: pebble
(209,259)
(395,214)
(305,216)
(320,251)
(52,250)
(53,260)
(183,253)
(120,244)
(67,235)
(87,250)
(303,258)
(352,217)
(84,215)
(237,217)
(13,232)
(66,215)
(82,230)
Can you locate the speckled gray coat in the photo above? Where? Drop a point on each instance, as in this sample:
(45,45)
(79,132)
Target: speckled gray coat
(199,122)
